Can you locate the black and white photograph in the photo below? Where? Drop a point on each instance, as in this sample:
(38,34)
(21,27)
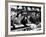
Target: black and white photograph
(24,18)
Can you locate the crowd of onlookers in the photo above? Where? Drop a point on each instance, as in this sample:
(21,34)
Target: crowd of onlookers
(30,18)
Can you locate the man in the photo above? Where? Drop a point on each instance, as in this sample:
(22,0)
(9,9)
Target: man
(13,15)
(24,21)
